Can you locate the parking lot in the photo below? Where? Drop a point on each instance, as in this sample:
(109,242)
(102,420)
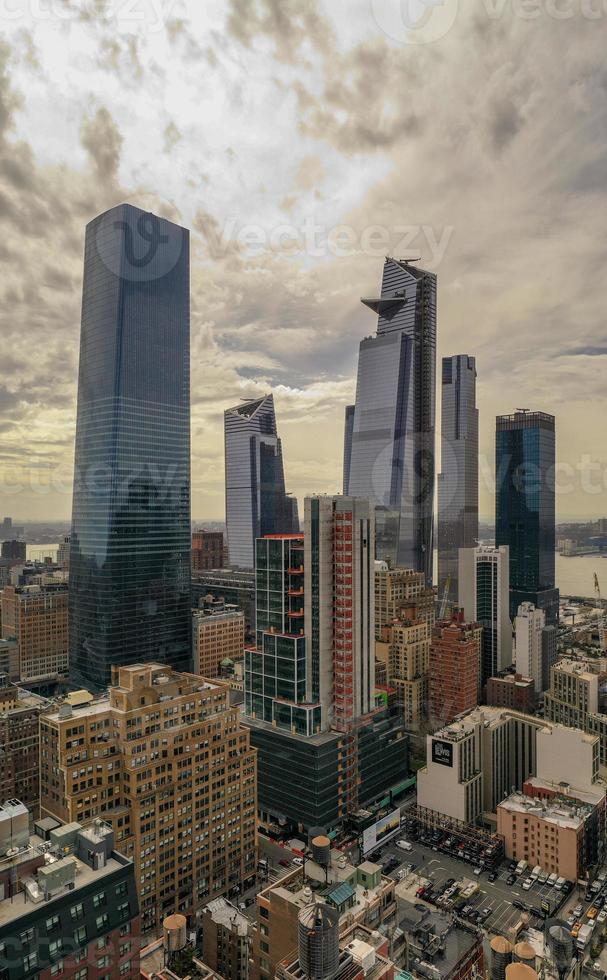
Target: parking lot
(497,898)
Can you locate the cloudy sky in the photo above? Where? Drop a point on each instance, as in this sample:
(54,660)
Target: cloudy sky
(301,141)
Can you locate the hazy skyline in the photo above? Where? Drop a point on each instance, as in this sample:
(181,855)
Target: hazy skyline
(482,151)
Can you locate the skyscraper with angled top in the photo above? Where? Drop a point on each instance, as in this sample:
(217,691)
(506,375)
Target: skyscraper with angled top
(389,441)
(130,540)
(256,501)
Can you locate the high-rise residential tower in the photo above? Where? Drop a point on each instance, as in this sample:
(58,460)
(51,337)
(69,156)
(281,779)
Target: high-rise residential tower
(458,480)
(256,501)
(130,539)
(389,442)
(483,594)
(525,507)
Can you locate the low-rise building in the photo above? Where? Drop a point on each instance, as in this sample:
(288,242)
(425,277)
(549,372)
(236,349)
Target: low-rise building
(576,698)
(359,895)
(69,903)
(439,946)
(216,636)
(359,954)
(226,939)
(512,691)
(20,745)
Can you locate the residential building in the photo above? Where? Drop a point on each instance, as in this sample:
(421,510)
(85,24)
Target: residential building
(535,645)
(576,699)
(408,659)
(69,903)
(474,763)
(37,616)
(455,651)
(397,591)
(310,698)
(512,691)
(157,962)
(14,549)
(559,831)
(162,758)
(216,637)
(63,553)
(130,537)
(439,945)
(354,895)
(525,507)
(256,501)
(484,597)
(235,587)
(390,440)
(227,934)
(207,550)
(458,480)
(20,745)
(358,954)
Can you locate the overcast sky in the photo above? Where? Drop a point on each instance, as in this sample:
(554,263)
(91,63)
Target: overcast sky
(301,141)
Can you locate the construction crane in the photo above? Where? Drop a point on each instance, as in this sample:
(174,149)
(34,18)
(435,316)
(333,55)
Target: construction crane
(600,622)
(445,599)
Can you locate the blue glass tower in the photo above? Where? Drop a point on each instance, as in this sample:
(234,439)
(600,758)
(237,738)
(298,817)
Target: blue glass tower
(525,507)
(130,540)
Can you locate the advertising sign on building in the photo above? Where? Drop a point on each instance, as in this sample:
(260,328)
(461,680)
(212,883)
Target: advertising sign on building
(442,752)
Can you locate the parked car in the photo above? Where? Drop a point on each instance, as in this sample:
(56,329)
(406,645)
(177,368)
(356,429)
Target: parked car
(552,880)
(298,861)
(485,913)
(571,921)
(518,904)
(511,879)
(492,876)
(404,845)
(512,866)
(576,928)
(542,877)
(578,911)
(592,912)
(478,871)
(527,884)
(284,863)
(602,916)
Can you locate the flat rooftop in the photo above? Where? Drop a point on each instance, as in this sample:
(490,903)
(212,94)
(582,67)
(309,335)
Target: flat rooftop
(568,816)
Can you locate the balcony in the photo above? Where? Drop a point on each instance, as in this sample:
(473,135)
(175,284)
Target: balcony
(295,613)
(295,571)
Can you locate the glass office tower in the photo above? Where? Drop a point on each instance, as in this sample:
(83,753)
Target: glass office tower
(389,443)
(130,539)
(525,507)
(256,501)
(458,480)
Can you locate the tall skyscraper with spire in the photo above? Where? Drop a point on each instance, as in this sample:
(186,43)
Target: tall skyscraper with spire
(458,480)
(256,501)
(130,540)
(389,442)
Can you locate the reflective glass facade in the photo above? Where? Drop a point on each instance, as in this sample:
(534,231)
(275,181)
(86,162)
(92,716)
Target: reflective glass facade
(390,441)
(256,501)
(130,538)
(458,480)
(525,507)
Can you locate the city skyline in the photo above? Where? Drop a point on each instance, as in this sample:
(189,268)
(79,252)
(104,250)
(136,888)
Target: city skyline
(295,328)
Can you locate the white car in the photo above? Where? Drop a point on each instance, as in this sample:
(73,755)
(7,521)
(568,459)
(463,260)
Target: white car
(404,845)
(602,916)
(527,884)
(298,861)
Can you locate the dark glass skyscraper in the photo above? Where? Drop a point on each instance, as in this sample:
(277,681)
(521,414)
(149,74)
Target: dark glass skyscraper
(389,442)
(525,507)
(130,540)
(256,501)
(458,480)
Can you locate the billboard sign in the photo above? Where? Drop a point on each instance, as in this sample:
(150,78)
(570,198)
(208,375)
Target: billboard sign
(442,752)
(381,831)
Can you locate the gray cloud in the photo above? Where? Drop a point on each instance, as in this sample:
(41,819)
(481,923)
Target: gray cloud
(103,141)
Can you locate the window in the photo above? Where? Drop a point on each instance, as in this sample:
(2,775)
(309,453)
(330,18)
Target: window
(77,911)
(57,968)
(124,949)
(52,923)
(103,962)
(99,899)
(102,921)
(121,889)
(102,942)
(124,930)
(26,937)
(55,948)
(125,968)
(80,935)
(124,910)
(82,974)
(30,961)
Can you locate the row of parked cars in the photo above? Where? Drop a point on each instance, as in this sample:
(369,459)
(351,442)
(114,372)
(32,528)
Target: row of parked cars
(445,896)
(481,853)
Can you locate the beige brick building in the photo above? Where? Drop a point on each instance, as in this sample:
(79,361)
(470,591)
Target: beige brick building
(36,615)
(396,591)
(162,758)
(405,647)
(216,636)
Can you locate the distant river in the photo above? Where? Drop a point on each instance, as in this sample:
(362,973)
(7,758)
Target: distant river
(574,576)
